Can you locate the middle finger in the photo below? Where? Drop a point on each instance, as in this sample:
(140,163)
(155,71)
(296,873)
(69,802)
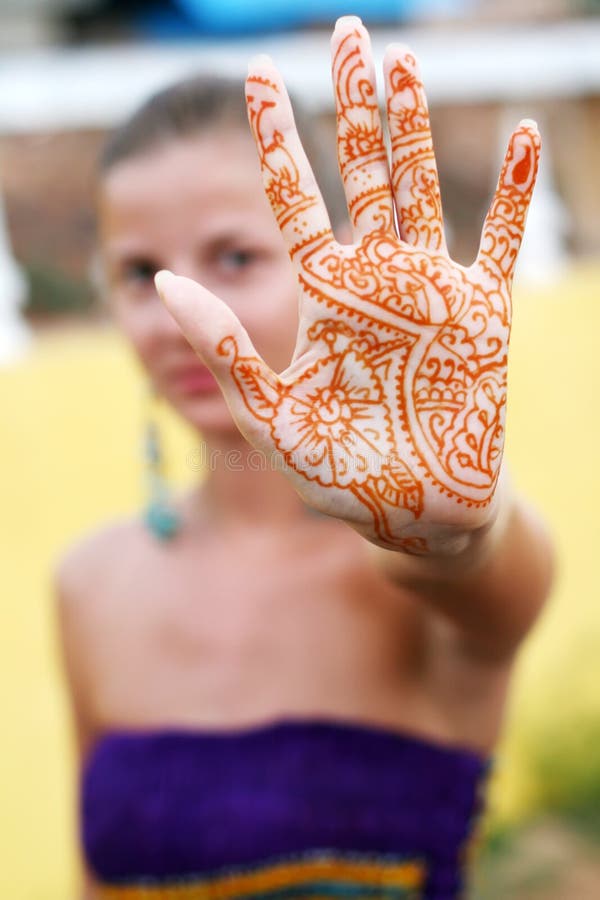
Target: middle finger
(361,150)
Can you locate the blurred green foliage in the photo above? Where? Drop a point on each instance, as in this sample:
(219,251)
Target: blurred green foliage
(568,767)
(53,292)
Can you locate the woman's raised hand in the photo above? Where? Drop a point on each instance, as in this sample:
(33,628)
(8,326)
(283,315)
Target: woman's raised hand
(391,413)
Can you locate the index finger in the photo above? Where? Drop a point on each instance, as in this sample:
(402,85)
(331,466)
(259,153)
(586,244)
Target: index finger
(288,178)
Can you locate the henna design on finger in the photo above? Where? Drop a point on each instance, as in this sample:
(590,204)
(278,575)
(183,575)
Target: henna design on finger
(414,172)
(289,183)
(505,222)
(361,150)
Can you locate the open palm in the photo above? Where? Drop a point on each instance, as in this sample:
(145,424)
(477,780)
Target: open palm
(391,413)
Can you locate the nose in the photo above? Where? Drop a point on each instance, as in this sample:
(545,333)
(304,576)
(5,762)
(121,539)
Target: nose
(168,326)
(181,265)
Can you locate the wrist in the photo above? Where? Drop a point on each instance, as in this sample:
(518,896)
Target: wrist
(446,552)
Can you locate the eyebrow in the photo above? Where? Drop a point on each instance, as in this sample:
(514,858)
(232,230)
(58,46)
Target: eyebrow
(225,238)
(120,251)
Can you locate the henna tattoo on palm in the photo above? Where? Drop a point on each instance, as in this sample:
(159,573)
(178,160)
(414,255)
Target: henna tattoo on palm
(391,414)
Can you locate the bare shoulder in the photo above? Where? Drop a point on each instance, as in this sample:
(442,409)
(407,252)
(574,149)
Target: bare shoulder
(92,559)
(84,579)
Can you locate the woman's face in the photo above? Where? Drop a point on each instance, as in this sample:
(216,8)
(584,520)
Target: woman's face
(196,206)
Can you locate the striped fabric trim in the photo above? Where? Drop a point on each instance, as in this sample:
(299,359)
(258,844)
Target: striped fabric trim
(326,875)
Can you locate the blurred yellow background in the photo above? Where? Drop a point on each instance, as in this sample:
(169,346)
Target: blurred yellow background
(72,413)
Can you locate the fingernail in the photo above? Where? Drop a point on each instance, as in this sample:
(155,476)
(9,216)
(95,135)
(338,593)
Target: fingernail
(162,279)
(398,47)
(261,59)
(529,123)
(348,20)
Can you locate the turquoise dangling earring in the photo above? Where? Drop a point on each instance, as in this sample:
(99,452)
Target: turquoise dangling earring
(161,518)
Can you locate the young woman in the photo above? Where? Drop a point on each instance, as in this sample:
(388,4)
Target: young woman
(273,702)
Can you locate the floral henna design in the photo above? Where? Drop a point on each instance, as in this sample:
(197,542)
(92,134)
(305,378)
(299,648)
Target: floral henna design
(391,414)
(332,425)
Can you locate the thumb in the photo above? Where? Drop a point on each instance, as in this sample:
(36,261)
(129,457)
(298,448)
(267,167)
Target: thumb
(251,389)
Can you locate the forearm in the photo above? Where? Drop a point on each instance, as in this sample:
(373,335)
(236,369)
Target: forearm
(494,588)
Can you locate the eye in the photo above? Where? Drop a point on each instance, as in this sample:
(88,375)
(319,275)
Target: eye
(234,260)
(139,272)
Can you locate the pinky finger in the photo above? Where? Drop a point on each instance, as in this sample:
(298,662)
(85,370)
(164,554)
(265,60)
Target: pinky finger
(251,389)
(505,222)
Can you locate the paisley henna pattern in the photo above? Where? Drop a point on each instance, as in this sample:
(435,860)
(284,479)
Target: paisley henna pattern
(391,414)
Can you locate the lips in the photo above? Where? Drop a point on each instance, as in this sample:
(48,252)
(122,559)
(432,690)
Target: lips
(193,380)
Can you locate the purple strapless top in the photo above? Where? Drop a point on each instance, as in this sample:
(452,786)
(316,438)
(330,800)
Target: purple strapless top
(295,808)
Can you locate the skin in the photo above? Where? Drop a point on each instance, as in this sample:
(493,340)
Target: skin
(258,609)
(390,415)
